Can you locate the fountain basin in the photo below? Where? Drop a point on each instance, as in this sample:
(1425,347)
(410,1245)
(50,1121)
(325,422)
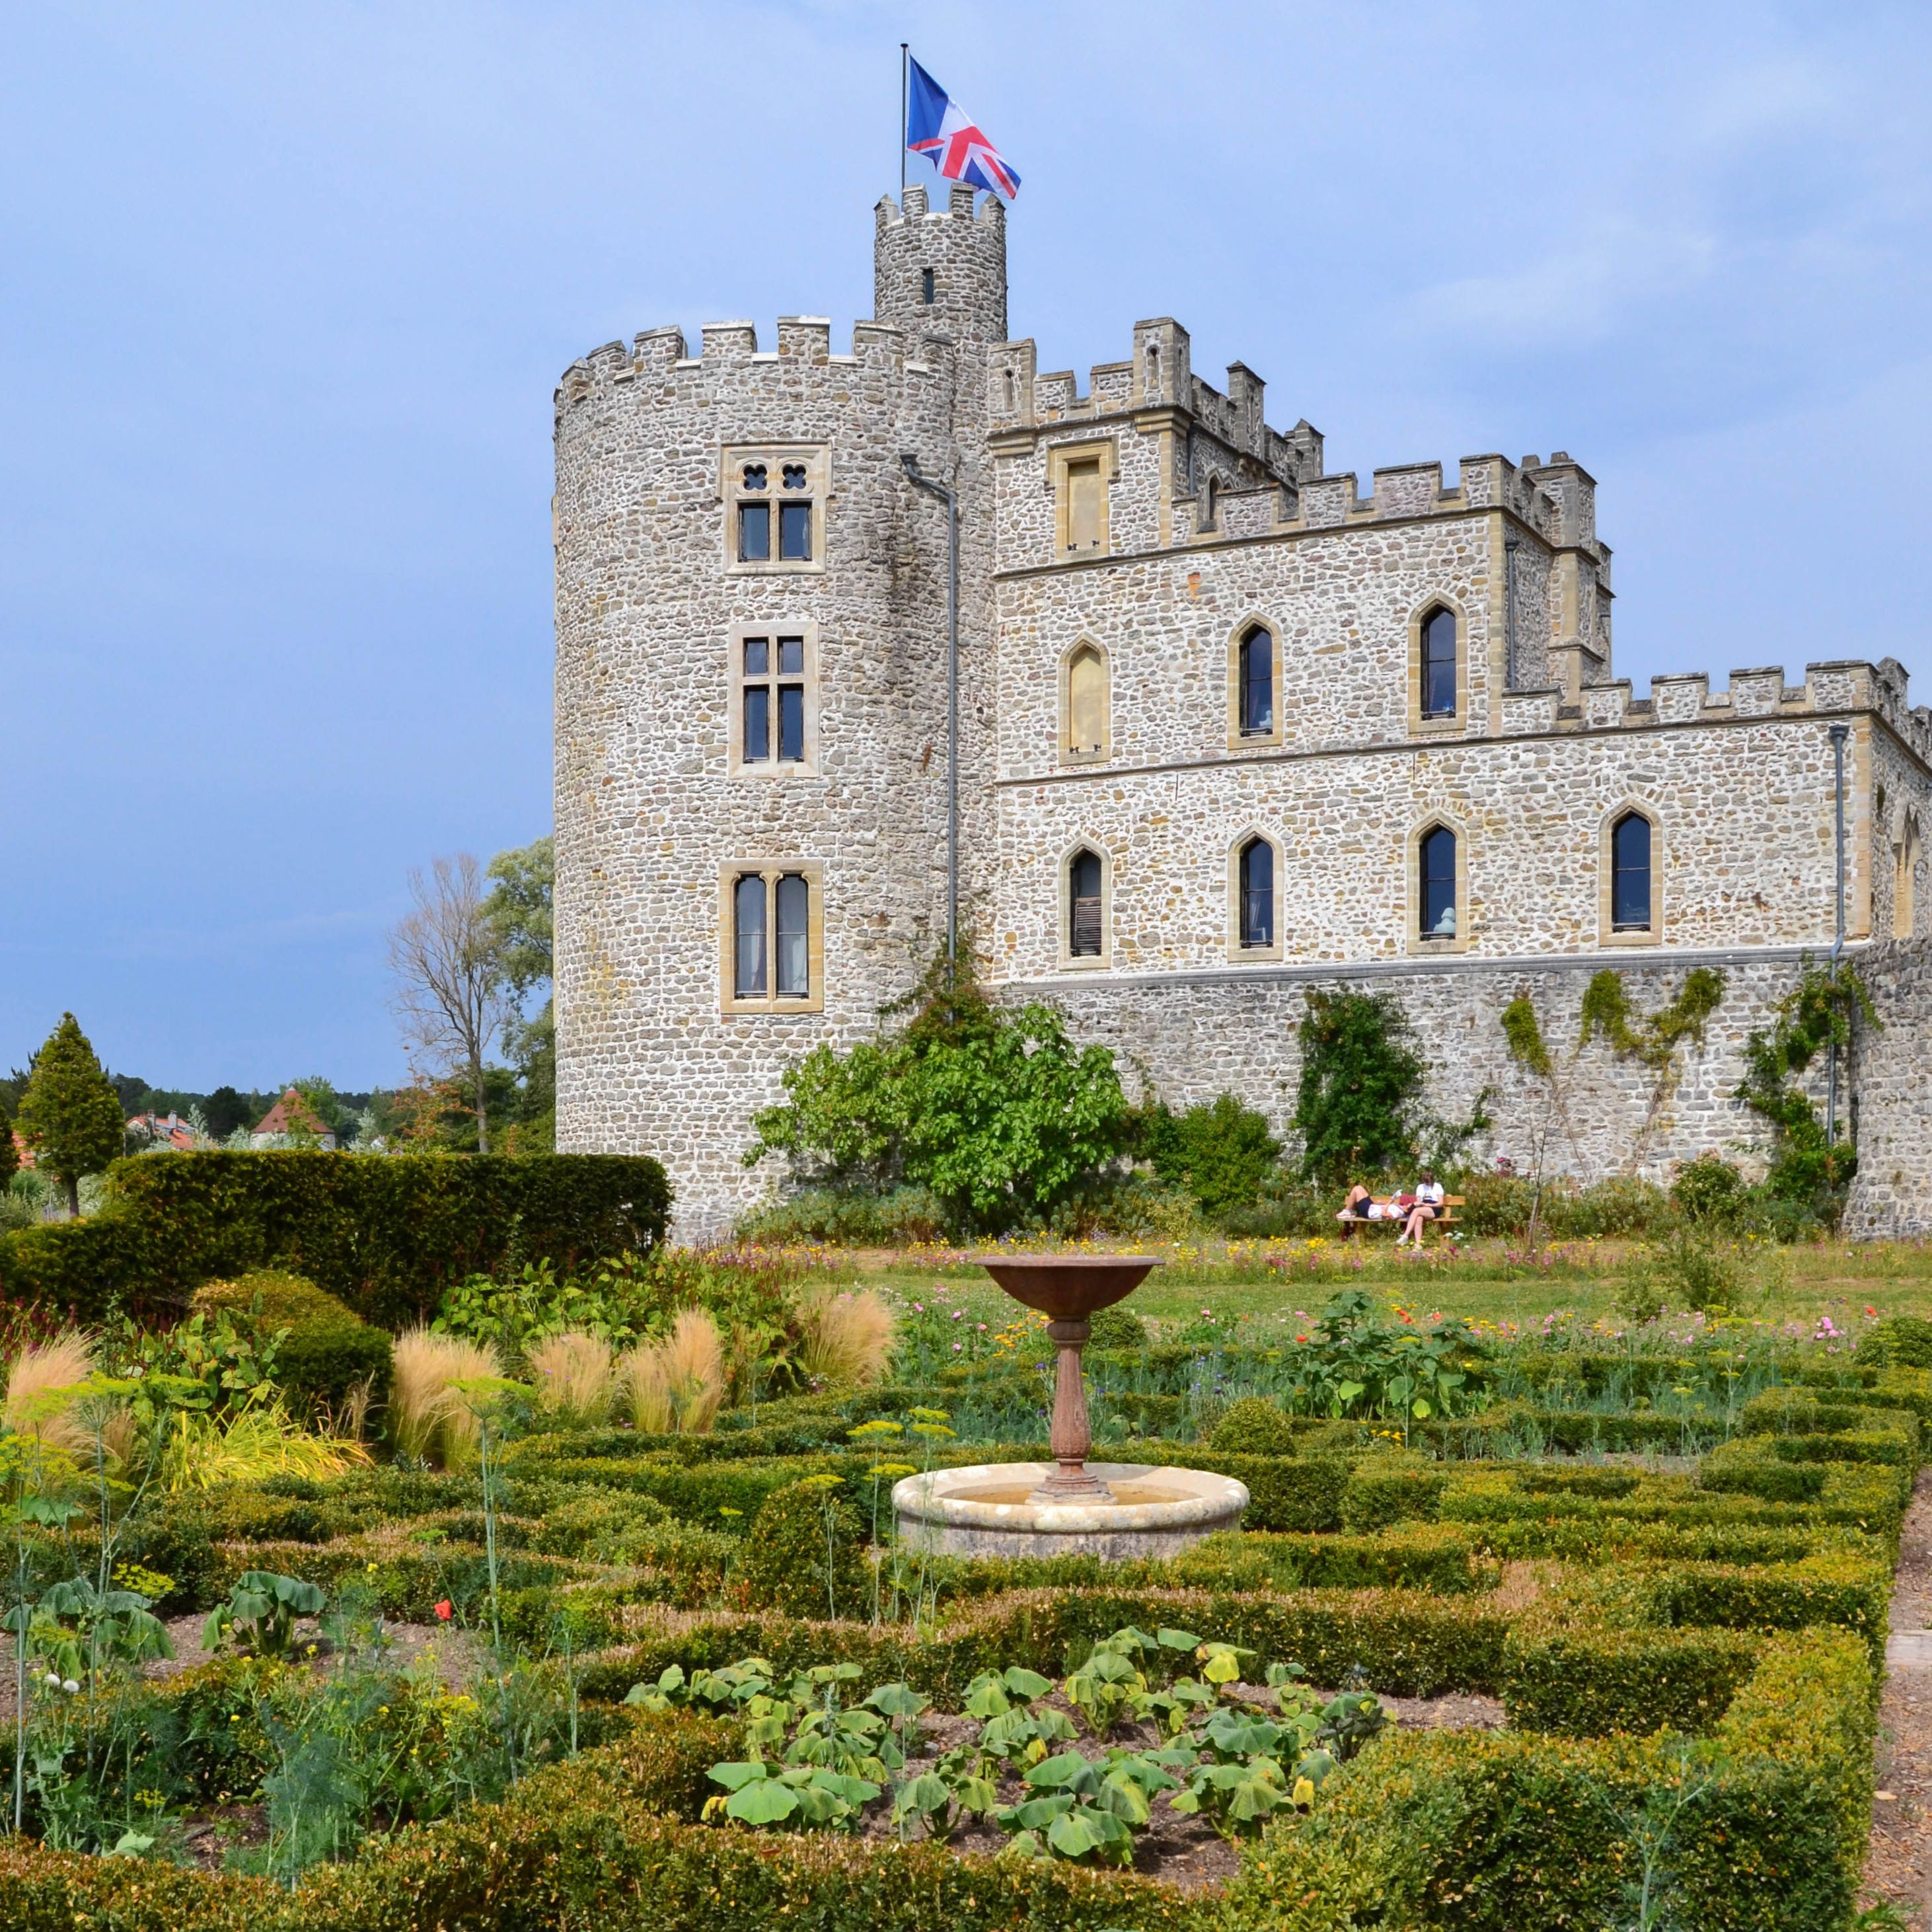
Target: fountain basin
(988,1509)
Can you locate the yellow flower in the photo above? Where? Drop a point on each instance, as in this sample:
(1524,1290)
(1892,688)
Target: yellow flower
(1304,1791)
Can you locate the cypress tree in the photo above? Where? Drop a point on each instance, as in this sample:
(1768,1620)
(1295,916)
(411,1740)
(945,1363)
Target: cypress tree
(10,1155)
(70,1114)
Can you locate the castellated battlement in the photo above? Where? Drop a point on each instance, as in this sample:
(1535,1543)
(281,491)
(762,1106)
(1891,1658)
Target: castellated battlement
(729,354)
(1685,697)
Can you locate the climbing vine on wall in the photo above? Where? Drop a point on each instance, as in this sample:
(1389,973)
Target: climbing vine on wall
(1654,1039)
(1816,1017)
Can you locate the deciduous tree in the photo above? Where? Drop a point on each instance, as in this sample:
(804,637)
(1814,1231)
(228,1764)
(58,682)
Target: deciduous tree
(452,994)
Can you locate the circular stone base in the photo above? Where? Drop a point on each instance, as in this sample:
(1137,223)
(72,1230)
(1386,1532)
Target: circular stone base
(984,1511)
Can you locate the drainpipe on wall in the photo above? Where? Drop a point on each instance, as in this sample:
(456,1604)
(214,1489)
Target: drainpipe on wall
(952,502)
(1838,734)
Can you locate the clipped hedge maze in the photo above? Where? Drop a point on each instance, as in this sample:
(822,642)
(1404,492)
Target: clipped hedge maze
(1689,1663)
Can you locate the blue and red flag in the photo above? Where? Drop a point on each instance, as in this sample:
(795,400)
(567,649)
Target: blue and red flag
(937,127)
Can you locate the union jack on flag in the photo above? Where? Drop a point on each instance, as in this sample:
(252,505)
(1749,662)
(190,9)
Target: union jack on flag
(937,127)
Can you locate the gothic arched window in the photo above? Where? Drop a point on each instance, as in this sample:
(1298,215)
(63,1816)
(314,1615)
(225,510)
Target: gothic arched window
(1630,874)
(1084,878)
(1435,883)
(1438,664)
(1257,683)
(1257,893)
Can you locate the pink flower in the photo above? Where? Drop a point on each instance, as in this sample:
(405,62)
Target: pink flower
(444,1611)
(957,1346)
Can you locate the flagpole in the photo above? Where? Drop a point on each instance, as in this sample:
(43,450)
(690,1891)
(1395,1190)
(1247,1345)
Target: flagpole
(905,51)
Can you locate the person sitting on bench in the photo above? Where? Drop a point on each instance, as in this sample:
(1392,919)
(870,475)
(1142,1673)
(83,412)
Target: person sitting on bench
(1427,1204)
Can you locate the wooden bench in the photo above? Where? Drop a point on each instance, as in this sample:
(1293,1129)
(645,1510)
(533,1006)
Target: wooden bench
(1444,1216)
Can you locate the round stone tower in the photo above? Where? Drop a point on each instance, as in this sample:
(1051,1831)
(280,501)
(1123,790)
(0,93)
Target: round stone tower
(751,695)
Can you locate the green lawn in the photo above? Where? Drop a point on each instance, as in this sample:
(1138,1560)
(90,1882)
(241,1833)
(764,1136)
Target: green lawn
(1268,1283)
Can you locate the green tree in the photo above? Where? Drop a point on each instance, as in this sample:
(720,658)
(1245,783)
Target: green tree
(997,1112)
(1361,1083)
(10,1155)
(70,1115)
(520,907)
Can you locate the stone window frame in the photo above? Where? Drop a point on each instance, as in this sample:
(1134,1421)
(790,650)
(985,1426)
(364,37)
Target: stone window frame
(738,765)
(1068,755)
(1607,934)
(1060,458)
(771,870)
(1459,723)
(1068,961)
(1238,954)
(1239,740)
(733,458)
(1419,945)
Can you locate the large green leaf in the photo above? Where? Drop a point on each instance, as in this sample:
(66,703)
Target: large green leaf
(735,1776)
(765,1801)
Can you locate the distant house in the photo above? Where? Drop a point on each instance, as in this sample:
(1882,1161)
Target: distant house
(291,1115)
(167,1130)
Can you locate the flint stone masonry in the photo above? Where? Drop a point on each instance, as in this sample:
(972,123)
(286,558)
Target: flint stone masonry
(1215,522)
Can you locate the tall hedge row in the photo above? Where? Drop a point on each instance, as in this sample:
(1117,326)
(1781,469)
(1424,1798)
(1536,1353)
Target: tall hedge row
(385,1235)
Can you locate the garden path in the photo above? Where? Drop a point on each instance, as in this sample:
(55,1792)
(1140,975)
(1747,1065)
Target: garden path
(1898,1866)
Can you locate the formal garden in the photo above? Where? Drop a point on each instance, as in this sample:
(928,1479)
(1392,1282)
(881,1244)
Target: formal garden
(426,1541)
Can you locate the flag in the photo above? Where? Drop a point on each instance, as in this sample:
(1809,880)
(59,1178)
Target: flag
(937,127)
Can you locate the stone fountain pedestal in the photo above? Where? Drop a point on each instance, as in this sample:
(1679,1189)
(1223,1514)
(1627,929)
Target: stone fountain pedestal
(1068,1506)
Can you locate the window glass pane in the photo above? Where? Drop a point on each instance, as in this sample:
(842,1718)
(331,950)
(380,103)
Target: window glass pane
(1083,506)
(925,285)
(1438,665)
(1083,879)
(754,533)
(1629,873)
(1258,682)
(795,532)
(791,722)
(794,475)
(748,909)
(1437,867)
(755,476)
(1258,893)
(757,656)
(1086,701)
(757,721)
(791,656)
(793,951)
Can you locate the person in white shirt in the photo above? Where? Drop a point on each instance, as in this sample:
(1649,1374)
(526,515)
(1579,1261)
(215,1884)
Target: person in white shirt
(1427,1203)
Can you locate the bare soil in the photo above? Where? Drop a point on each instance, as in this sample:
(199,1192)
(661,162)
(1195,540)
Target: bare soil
(1898,1863)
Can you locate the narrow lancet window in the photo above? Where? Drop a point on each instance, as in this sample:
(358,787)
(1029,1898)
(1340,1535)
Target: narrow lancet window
(1257,672)
(748,909)
(1436,867)
(1438,664)
(794,973)
(1630,874)
(1257,893)
(1083,885)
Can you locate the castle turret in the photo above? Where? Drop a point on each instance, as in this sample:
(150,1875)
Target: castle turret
(942,271)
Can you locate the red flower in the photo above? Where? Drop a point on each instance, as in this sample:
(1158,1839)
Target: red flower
(444,1611)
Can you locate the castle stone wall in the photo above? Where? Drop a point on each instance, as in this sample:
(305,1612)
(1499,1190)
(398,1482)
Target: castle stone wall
(1892,1080)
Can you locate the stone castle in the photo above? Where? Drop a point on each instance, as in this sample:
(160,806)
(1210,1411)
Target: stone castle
(1228,727)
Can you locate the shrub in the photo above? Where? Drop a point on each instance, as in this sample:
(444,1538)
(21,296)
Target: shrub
(1222,1153)
(1117,1328)
(329,1352)
(1905,1339)
(1253,1426)
(804,1554)
(385,1235)
(848,1217)
(1710,1190)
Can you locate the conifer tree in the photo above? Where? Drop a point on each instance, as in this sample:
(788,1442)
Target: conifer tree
(10,1155)
(70,1114)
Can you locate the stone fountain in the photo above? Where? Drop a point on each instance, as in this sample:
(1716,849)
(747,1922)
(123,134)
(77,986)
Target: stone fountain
(1068,1507)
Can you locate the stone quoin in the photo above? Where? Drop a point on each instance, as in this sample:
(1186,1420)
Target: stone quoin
(1230,728)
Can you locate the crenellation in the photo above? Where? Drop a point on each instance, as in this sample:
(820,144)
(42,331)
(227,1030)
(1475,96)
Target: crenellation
(806,338)
(1328,501)
(1407,490)
(1756,694)
(727,341)
(1681,697)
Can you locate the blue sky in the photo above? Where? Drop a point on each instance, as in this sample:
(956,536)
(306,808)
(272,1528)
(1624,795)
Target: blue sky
(285,288)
